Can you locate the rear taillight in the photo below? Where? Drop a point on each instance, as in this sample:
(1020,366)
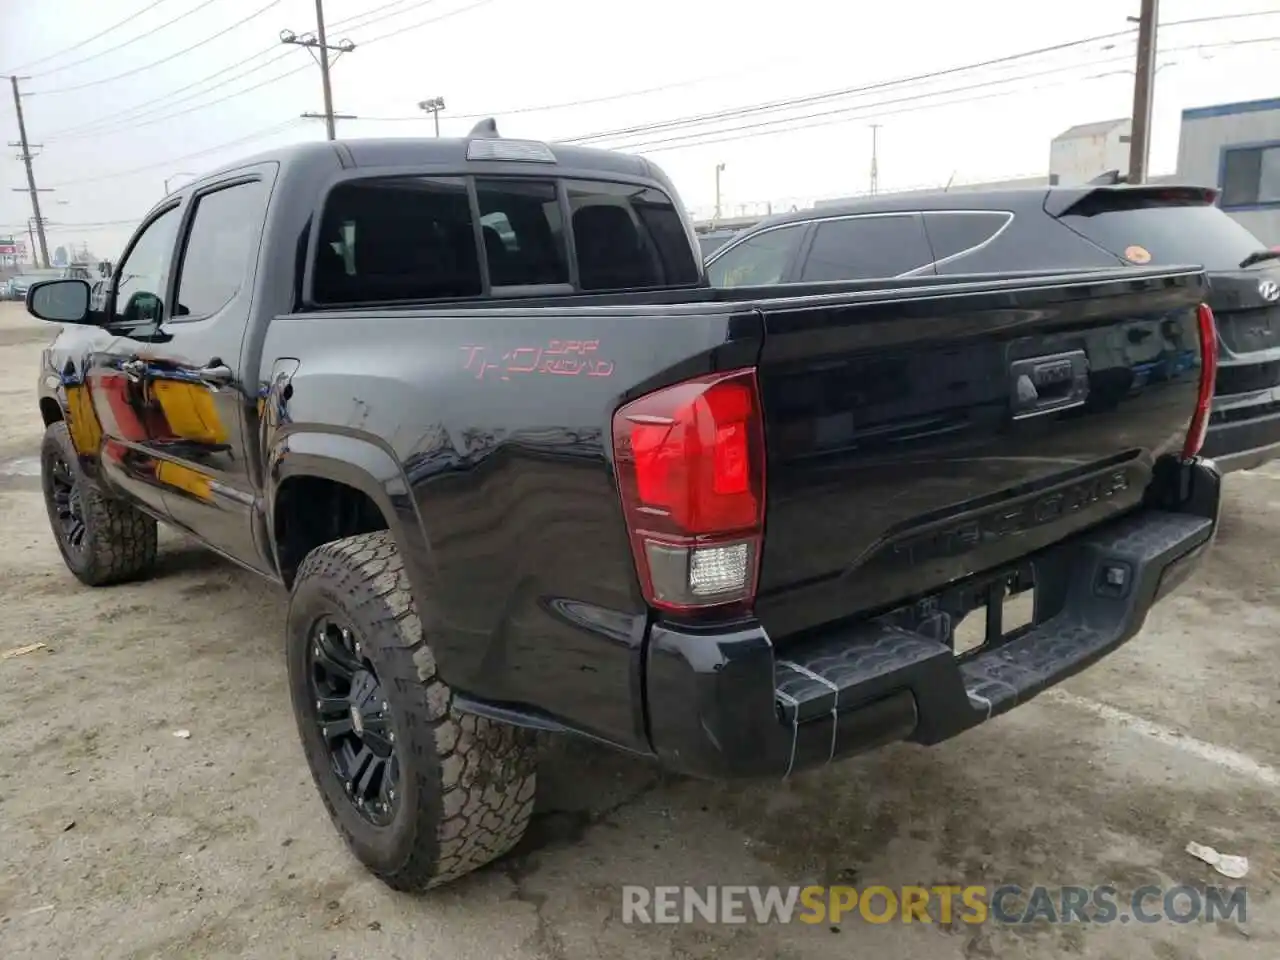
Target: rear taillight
(1208,371)
(690,465)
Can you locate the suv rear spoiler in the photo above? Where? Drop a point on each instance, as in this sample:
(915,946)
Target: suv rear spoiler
(1096,198)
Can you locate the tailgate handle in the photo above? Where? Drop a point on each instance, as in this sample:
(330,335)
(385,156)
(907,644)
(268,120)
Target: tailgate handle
(1040,385)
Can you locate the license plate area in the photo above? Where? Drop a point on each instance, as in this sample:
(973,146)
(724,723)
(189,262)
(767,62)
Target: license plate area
(1004,610)
(978,615)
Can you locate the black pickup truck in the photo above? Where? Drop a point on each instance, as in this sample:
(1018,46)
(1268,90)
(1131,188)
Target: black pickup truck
(474,404)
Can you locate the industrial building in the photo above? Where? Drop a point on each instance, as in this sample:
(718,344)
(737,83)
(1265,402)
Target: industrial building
(1236,148)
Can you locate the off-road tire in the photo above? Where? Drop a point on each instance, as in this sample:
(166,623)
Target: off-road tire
(119,540)
(466,783)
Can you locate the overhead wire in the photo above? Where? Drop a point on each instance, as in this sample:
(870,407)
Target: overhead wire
(132,40)
(115,174)
(368,15)
(136,115)
(836,116)
(173,56)
(140,111)
(423,23)
(787,102)
(625,94)
(88,40)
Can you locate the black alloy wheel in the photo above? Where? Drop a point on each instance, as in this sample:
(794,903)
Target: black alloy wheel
(354,717)
(67,504)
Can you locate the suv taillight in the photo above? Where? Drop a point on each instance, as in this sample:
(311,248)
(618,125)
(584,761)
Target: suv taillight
(690,466)
(1208,371)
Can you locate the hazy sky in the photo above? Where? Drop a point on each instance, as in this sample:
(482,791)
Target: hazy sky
(115,126)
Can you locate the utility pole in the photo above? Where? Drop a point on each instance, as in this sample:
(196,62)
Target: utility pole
(1144,77)
(719,170)
(875,169)
(433,107)
(34,191)
(318,46)
(324,116)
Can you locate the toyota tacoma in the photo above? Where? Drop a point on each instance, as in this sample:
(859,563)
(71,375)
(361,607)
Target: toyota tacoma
(473,403)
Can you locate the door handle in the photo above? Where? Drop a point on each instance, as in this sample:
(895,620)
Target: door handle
(215,373)
(134,369)
(1049,384)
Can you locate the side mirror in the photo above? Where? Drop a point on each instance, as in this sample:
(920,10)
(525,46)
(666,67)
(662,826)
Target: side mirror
(60,301)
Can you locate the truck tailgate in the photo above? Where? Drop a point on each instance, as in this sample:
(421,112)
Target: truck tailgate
(914,440)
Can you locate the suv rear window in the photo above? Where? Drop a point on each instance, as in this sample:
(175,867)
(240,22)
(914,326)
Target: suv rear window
(414,238)
(1173,231)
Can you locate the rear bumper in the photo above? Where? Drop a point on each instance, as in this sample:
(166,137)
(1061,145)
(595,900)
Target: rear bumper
(1243,444)
(728,704)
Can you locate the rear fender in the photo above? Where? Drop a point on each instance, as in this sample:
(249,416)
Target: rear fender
(364,464)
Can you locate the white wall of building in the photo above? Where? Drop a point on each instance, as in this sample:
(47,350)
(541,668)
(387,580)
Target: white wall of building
(1209,134)
(1083,153)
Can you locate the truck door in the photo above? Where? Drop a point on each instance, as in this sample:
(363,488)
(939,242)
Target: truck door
(114,369)
(205,448)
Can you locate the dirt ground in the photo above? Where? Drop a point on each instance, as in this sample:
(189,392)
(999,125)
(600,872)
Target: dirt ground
(118,839)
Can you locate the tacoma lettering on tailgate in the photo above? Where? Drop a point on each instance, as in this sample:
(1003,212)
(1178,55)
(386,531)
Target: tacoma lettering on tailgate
(1001,522)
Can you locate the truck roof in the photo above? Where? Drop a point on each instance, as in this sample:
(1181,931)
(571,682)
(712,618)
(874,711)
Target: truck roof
(450,152)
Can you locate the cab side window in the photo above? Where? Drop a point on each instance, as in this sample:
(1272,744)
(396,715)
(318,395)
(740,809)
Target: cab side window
(758,261)
(220,248)
(867,248)
(141,279)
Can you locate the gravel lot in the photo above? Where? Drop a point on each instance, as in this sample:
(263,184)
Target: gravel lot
(118,839)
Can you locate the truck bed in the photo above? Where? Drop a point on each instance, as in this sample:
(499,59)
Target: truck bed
(898,457)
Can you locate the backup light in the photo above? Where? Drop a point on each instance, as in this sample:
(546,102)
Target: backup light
(690,465)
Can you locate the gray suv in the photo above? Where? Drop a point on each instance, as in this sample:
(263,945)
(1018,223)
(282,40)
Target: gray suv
(1052,228)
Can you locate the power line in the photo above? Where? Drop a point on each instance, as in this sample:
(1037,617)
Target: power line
(566,104)
(101,126)
(709,137)
(133,125)
(101,33)
(424,23)
(131,41)
(733,113)
(785,103)
(59,225)
(368,16)
(173,56)
(139,111)
(114,174)
(661,88)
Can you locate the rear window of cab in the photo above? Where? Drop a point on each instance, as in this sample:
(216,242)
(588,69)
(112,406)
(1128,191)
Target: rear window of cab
(386,239)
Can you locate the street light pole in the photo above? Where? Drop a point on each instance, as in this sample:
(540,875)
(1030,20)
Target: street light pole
(719,170)
(433,107)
